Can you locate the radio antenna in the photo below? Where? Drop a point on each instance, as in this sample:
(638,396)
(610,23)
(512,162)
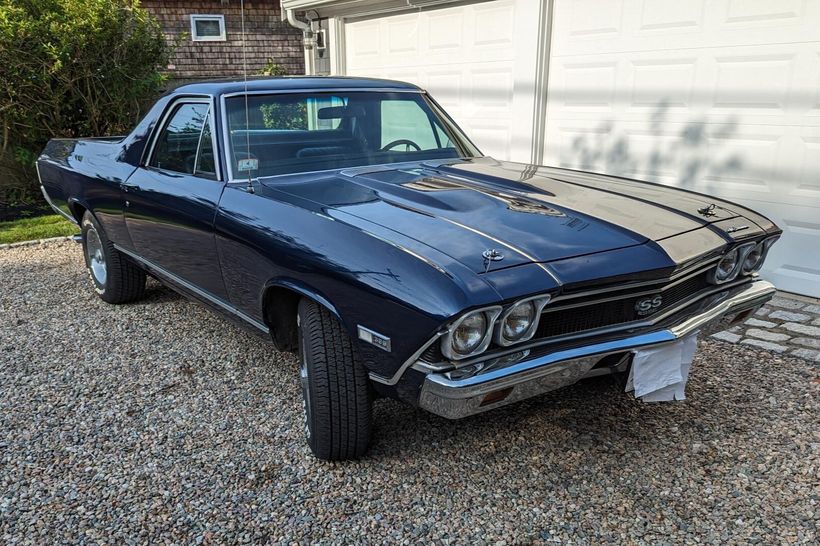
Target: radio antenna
(247,163)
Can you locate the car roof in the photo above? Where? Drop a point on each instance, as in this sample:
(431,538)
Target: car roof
(291,83)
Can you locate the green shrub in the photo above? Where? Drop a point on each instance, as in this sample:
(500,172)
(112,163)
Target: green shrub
(72,68)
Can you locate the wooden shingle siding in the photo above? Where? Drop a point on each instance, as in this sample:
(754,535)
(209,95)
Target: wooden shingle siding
(268,37)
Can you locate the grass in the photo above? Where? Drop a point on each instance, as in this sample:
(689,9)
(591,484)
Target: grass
(41,227)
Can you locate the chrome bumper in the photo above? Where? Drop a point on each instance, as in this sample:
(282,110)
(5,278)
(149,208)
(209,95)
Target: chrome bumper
(460,393)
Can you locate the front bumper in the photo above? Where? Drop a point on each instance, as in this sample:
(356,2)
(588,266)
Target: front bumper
(494,383)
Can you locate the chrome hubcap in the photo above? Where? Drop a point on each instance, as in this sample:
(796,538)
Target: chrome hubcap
(96,258)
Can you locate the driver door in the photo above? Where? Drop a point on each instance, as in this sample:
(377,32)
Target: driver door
(170,202)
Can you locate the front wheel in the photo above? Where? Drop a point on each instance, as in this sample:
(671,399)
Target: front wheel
(338,404)
(115,278)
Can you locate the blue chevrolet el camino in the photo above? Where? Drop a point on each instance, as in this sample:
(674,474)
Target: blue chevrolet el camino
(352,221)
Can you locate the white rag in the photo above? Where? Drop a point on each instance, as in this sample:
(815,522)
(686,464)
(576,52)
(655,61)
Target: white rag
(659,374)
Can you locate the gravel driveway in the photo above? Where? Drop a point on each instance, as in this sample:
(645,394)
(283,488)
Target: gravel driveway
(160,423)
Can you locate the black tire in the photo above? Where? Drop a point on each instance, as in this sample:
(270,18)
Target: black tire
(115,278)
(335,386)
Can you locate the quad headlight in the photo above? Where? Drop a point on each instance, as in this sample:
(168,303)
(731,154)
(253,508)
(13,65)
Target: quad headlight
(755,258)
(743,259)
(520,320)
(470,334)
(727,267)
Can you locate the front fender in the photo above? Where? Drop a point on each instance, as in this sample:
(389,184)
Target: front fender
(361,277)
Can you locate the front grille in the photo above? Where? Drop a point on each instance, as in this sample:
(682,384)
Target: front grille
(558,322)
(588,312)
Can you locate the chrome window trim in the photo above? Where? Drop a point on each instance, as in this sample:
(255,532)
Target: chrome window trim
(319,90)
(145,160)
(195,289)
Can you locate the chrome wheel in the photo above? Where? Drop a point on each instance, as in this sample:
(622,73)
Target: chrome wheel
(95,256)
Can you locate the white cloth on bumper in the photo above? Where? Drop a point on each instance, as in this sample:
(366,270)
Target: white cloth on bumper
(659,374)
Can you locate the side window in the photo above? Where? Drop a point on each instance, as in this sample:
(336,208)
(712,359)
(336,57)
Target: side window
(176,147)
(205,157)
(406,120)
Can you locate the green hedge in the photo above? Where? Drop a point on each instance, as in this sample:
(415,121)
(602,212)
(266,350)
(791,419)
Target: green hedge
(71,68)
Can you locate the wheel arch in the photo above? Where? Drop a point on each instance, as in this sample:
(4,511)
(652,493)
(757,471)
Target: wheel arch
(78,210)
(280,303)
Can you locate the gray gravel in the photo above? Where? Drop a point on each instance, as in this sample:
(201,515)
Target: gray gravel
(160,423)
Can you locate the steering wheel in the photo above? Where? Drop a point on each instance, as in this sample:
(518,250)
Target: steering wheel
(407,144)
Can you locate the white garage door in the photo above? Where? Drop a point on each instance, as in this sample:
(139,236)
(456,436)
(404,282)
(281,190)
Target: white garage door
(722,97)
(478,62)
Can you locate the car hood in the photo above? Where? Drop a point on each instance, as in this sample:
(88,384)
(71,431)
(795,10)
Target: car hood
(520,213)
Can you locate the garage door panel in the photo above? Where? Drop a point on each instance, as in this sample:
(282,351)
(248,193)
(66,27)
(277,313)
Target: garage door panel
(799,239)
(733,110)
(752,85)
(494,25)
(477,60)
(766,164)
(667,15)
(738,78)
(594,26)
(673,79)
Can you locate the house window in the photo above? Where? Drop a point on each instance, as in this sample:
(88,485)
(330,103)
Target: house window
(208,28)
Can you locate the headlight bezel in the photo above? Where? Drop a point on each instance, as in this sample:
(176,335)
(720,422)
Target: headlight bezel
(539,302)
(742,251)
(765,245)
(491,315)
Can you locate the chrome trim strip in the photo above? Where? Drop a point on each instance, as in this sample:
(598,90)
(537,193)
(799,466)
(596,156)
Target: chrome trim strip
(505,244)
(455,398)
(758,290)
(677,278)
(407,363)
(195,289)
(319,91)
(51,204)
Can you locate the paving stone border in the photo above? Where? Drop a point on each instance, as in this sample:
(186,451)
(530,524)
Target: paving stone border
(786,325)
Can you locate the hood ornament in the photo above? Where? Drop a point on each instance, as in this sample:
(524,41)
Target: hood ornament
(708,210)
(491,255)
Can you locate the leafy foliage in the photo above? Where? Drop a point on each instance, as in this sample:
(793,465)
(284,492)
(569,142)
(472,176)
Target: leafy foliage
(71,68)
(292,115)
(271,68)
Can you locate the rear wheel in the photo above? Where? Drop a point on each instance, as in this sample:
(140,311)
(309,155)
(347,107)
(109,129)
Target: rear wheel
(115,278)
(338,404)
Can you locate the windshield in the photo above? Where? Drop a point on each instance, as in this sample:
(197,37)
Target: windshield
(300,132)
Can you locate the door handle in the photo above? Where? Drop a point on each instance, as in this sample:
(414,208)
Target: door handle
(127,187)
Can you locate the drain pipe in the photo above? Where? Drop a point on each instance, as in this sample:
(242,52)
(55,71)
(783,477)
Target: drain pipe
(308,39)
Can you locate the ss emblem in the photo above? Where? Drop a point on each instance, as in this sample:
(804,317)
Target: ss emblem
(647,306)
